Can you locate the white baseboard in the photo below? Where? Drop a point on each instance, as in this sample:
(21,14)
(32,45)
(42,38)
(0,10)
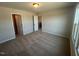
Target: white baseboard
(57,34)
(5,40)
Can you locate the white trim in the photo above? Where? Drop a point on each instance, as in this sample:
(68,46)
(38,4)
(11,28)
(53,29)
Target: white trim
(7,40)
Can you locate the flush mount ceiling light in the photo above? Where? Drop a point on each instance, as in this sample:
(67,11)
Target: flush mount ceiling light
(35,5)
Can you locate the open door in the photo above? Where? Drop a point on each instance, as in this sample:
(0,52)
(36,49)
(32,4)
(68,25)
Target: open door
(17,24)
(35,23)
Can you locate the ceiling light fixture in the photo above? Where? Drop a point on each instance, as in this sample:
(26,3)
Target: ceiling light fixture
(35,5)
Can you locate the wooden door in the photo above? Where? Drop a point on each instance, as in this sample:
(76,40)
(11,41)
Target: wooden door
(18,24)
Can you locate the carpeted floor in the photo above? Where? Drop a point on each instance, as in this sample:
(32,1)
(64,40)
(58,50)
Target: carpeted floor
(36,44)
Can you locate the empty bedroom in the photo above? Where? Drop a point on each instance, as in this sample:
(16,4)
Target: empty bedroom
(39,28)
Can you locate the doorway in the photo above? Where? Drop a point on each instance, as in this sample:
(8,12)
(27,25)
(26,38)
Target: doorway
(40,22)
(35,23)
(17,22)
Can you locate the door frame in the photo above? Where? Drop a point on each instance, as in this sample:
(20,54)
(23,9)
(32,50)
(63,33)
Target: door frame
(33,23)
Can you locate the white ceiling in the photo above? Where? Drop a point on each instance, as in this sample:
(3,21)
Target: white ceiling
(43,6)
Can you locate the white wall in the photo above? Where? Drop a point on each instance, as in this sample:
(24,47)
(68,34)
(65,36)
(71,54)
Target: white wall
(58,22)
(6,23)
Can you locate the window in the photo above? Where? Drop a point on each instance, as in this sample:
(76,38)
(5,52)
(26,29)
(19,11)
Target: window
(75,33)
